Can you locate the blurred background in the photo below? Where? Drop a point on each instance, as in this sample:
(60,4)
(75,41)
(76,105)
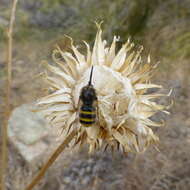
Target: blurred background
(162,27)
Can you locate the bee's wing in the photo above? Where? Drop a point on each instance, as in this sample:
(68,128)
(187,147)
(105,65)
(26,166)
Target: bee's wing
(97,109)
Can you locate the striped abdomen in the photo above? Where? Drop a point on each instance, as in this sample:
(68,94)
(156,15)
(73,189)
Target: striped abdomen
(87,115)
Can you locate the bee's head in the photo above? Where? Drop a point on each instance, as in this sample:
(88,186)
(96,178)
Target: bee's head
(88,94)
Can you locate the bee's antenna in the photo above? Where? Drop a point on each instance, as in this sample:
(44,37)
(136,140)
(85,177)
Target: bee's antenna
(89,83)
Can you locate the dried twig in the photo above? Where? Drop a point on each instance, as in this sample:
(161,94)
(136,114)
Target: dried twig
(8,95)
(51,160)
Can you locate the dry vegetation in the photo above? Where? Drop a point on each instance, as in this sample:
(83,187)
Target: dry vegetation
(163,28)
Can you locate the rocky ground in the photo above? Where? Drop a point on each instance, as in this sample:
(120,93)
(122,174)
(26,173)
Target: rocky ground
(163,29)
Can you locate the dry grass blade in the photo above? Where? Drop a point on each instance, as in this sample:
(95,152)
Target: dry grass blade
(51,160)
(8,95)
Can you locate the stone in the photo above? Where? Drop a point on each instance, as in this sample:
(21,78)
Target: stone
(85,180)
(26,131)
(67,180)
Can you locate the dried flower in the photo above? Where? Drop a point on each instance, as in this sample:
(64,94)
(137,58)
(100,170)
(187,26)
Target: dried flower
(121,81)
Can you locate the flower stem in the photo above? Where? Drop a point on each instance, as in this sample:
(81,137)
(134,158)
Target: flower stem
(51,160)
(8,96)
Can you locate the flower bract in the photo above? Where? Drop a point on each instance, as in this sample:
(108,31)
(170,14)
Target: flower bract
(121,80)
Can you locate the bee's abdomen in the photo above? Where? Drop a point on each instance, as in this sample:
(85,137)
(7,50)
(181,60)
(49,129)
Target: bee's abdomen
(87,115)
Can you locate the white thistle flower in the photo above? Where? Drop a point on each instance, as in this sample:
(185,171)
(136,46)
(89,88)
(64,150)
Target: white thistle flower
(121,81)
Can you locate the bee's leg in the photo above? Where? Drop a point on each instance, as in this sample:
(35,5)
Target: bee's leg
(78,109)
(98,113)
(78,105)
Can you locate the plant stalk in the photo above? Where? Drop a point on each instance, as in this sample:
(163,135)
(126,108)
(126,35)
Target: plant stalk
(8,96)
(51,160)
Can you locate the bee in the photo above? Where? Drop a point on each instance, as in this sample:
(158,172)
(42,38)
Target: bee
(88,108)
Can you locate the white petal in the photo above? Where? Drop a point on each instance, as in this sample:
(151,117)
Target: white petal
(130,68)
(144,98)
(151,123)
(55,82)
(61,91)
(128,61)
(145,86)
(119,59)
(142,129)
(57,108)
(128,140)
(70,121)
(98,53)
(68,79)
(81,59)
(61,63)
(111,53)
(89,56)
(61,124)
(57,98)
(59,116)
(72,63)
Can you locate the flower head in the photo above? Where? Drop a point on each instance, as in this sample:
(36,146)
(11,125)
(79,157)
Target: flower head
(121,81)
